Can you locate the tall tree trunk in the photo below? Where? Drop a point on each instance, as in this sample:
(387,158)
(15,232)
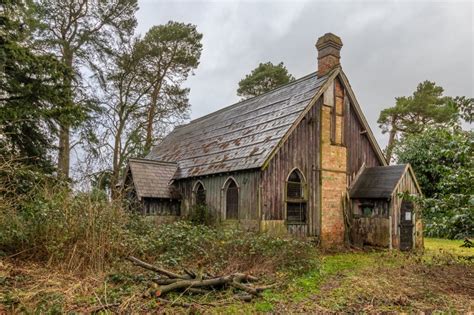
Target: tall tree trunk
(116,160)
(151,117)
(391,144)
(64,151)
(64,128)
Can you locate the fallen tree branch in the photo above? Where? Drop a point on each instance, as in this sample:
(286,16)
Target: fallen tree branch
(195,283)
(190,273)
(236,284)
(183,284)
(246,277)
(197,291)
(265,287)
(148,266)
(165,281)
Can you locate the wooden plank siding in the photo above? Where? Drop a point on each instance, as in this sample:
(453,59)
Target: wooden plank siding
(359,148)
(407,184)
(302,151)
(247,182)
(161,206)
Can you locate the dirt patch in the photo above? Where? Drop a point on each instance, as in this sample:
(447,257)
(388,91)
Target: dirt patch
(451,279)
(29,286)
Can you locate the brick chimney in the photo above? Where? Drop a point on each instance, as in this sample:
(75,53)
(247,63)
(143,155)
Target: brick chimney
(329,49)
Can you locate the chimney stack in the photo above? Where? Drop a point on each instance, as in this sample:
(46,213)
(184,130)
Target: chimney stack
(329,49)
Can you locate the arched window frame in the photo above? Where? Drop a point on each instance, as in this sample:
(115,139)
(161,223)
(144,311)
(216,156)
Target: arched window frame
(224,190)
(195,192)
(299,216)
(302,181)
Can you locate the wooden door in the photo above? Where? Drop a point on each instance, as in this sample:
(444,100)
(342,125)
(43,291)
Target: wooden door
(406,225)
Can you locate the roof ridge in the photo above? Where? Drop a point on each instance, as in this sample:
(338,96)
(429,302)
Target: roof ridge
(393,165)
(143,160)
(241,102)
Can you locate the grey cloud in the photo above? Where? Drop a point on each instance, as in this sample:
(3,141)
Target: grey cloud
(389,47)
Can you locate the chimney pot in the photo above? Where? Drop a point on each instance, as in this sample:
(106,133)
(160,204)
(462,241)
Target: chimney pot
(329,53)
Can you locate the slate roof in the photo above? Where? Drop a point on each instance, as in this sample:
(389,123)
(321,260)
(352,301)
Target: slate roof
(151,178)
(377,182)
(240,136)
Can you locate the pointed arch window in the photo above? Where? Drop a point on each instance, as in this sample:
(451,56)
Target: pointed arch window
(296,207)
(231,200)
(200,194)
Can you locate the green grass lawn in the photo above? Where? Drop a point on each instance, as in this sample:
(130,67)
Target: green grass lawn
(439,245)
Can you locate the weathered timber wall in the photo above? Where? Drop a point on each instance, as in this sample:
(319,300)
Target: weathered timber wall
(358,146)
(248,183)
(374,231)
(406,184)
(160,206)
(301,150)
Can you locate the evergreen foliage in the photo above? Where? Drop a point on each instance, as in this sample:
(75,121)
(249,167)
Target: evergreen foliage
(264,78)
(33,94)
(426,107)
(443,163)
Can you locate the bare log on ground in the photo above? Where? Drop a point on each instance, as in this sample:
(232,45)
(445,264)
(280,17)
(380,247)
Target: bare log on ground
(148,266)
(191,282)
(165,281)
(236,284)
(184,284)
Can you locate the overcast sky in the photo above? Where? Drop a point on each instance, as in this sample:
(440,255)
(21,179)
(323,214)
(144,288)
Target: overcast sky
(389,47)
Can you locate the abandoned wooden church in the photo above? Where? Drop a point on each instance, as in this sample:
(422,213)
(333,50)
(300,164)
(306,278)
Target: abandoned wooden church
(300,159)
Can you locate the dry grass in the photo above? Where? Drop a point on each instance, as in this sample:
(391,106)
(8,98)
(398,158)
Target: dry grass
(28,286)
(42,220)
(370,282)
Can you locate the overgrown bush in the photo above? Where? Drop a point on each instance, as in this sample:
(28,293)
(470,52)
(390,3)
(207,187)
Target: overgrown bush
(49,222)
(200,214)
(224,249)
(76,231)
(88,232)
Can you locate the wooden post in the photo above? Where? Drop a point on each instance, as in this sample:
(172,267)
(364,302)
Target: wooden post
(390,232)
